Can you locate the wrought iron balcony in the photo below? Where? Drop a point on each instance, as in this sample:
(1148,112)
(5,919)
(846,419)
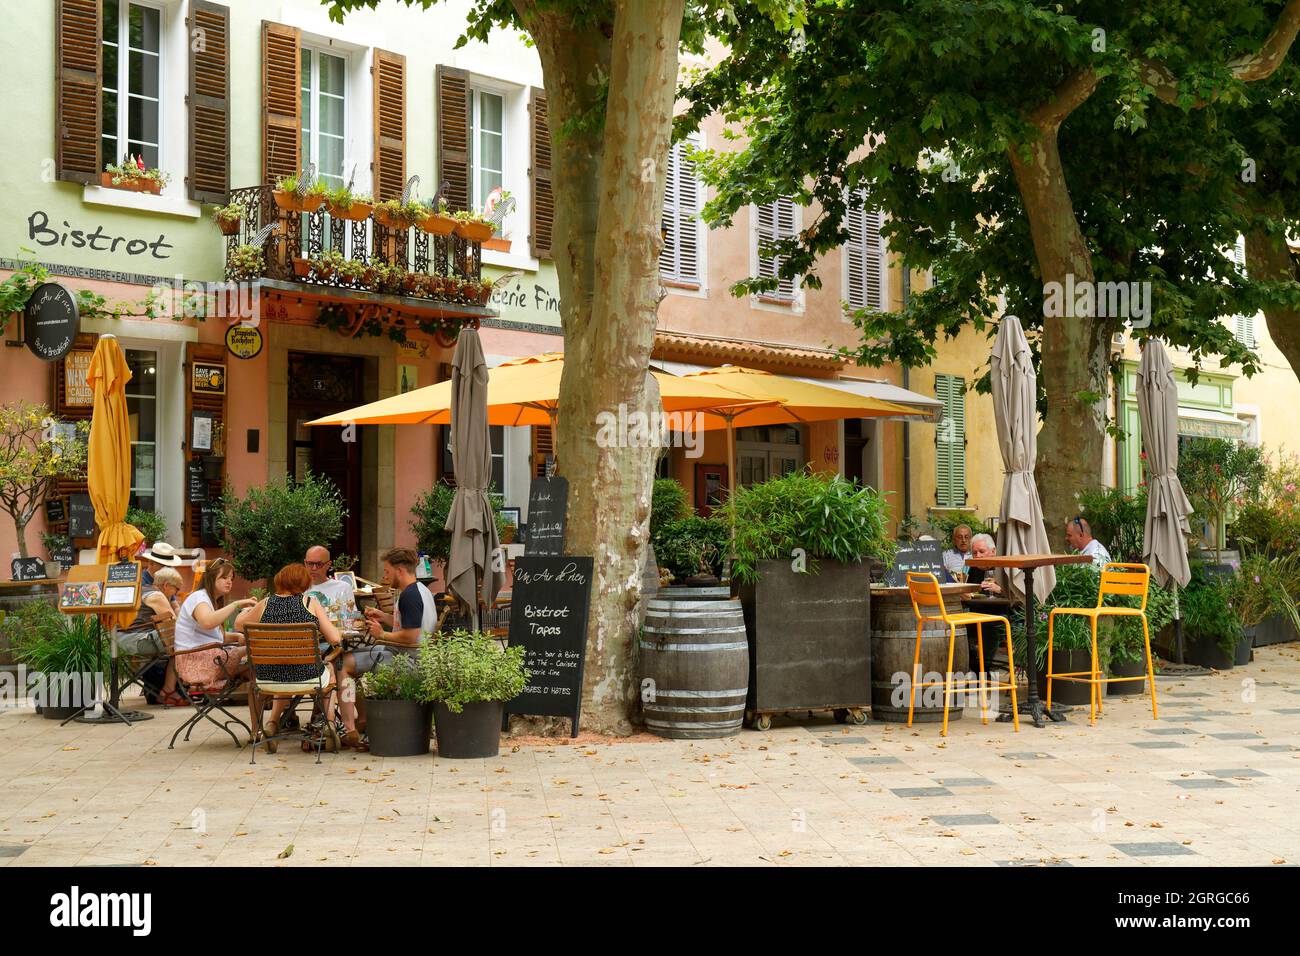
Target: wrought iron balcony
(367,255)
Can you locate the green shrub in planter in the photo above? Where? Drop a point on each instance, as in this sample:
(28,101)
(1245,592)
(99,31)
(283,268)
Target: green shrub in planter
(1208,616)
(826,516)
(1118,519)
(399,714)
(464,667)
(667,504)
(149,523)
(429,520)
(274,524)
(398,679)
(48,642)
(942,524)
(691,545)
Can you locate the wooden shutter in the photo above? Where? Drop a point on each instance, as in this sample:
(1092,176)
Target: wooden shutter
(775,220)
(539,175)
(864,256)
(388,170)
(78,80)
(201,401)
(680,259)
(209,102)
(950,442)
(454,147)
(543,445)
(1245,331)
(281,102)
(65,410)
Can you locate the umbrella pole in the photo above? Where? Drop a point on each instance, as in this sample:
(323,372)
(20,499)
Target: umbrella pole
(1178,627)
(731,471)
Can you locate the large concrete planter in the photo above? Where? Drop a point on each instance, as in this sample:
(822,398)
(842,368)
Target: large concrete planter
(809,640)
(1277,629)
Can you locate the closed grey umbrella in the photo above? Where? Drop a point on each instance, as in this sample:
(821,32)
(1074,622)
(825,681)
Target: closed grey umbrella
(1164,539)
(1015,407)
(471,520)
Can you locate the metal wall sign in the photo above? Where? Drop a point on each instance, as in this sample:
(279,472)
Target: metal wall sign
(51,321)
(244,341)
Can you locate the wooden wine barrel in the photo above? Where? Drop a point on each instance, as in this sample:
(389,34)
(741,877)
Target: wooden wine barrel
(893,642)
(717,592)
(694,667)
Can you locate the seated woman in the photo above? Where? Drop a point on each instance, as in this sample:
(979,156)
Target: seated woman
(157,607)
(290,605)
(200,624)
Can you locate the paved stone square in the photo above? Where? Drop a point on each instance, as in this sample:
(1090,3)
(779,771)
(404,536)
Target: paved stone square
(1214,782)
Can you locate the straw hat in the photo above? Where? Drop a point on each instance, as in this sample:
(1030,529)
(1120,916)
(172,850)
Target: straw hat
(163,553)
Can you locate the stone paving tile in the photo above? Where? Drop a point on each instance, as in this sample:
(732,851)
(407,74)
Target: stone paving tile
(964,819)
(1235,735)
(1158,744)
(1201,784)
(1154,849)
(1237,772)
(873,761)
(922,792)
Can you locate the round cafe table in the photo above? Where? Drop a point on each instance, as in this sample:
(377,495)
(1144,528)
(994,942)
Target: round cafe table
(1029,563)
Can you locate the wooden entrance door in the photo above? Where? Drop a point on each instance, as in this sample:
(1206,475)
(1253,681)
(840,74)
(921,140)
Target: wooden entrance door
(321,385)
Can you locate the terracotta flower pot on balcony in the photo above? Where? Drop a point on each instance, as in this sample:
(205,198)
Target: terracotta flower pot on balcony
(386,219)
(474,231)
(136,185)
(291,202)
(355,212)
(497,244)
(323,270)
(301,267)
(229,227)
(437,224)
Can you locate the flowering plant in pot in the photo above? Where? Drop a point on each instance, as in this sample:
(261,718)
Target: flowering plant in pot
(474,226)
(342,204)
(399,713)
(131,174)
(292,196)
(469,677)
(396,214)
(228,218)
(438,220)
(245,262)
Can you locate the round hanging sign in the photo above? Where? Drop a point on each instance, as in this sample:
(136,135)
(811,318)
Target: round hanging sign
(244,341)
(51,321)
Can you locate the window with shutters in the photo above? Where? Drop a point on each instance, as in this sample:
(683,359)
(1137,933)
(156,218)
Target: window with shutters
(773,222)
(324,113)
(683,234)
(132,92)
(487,157)
(1243,325)
(865,263)
(950,442)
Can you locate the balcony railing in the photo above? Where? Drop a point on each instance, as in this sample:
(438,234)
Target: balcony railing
(365,255)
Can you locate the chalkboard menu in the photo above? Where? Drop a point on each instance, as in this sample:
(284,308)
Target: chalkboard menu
(28,569)
(549,605)
(62,552)
(56,511)
(548,502)
(198,483)
(51,321)
(920,556)
(81,516)
(208,531)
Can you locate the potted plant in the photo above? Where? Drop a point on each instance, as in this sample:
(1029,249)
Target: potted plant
(350,270)
(473,226)
(274,524)
(287,194)
(342,204)
(132,175)
(35,454)
(692,549)
(1216,473)
(399,712)
(1267,525)
(149,523)
(800,547)
(395,214)
(1211,628)
(437,220)
(64,648)
(429,520)
(228,218)
(54,543)
(245,262)
(389,278)
(1076,586)
(301,267)
(469,677)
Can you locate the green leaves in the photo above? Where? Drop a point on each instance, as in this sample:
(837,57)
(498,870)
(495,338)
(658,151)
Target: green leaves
(274,524)
(463,667)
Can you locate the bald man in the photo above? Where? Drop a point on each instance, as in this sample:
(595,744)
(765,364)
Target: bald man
(1078,535)
(335,596)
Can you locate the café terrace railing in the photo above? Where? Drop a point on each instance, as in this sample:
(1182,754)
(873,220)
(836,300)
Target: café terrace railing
(442,268)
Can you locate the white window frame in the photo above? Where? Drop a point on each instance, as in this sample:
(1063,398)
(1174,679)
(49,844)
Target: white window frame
(772,301)
(157,420)
(675,283)
(864,215)
(314,130)
(476,92)
(122,91)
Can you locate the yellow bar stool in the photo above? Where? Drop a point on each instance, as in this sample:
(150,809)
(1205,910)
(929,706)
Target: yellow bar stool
(1117,580)
(928,606)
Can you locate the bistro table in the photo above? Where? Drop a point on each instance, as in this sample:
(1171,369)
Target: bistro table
(1029,563)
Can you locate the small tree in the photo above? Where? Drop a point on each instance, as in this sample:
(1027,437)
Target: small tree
(34,456)
(429,520)
(1217,474)
(274,524)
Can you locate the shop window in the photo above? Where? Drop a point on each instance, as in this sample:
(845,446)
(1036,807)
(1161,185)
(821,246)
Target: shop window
(680,224)
(950,442)
(142,416)
(132,79)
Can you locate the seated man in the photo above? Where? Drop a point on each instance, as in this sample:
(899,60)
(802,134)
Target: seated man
(954,559)
(335,596)
(982,546)
(414,616)
(1078,535)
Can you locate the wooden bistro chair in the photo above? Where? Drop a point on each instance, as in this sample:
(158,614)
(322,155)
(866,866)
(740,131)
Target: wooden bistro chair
(206,698)
(1117,580)
(928,606)
(290,644)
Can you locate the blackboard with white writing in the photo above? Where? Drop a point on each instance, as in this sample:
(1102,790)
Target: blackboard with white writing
(51,321)
(81,516)
(198,483)
(548,502)
(56,511)
(549,603)
(919,556)
(28,569)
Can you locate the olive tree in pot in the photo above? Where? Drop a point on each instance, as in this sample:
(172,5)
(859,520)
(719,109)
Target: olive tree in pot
(399,713)
(62,649)
(429,521)
(799,559)
(469,677)
(274,524)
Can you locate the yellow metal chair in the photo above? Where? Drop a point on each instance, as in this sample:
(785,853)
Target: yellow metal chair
(1117,580)
(926,594)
